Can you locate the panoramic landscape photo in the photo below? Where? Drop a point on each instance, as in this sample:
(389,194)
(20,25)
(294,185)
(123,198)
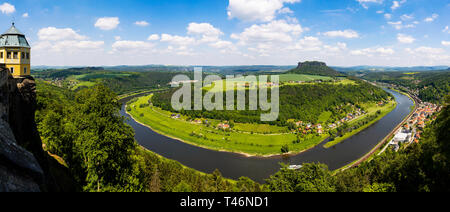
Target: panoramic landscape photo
(230,96)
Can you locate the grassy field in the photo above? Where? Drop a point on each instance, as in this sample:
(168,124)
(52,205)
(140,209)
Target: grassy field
(323,118)
(210,138)
(284,78)
(371,110)
(260,128)
(302,77)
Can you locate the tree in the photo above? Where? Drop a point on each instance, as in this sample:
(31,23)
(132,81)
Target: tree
(285,149)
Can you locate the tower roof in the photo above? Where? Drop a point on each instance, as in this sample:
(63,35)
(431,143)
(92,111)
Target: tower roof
(13,38)
(13,31)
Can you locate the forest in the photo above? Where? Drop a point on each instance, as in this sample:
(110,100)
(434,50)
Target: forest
(431,86)
(120,82)
(300,102)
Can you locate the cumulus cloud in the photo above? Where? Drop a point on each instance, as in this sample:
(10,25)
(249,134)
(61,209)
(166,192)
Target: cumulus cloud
(207,31)
(345,34)
(177,40)
(107,23)
(279,31)
(52,39)
(402,38)
(257,10)
(308,43)
(141,23)
(445,43)
(25,15)
(153,37)
(7,8)
(55,34)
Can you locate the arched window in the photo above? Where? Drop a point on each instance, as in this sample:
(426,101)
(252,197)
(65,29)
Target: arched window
(12,70)
(25,70)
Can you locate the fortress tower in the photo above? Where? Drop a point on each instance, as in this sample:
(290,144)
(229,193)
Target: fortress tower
(15,52)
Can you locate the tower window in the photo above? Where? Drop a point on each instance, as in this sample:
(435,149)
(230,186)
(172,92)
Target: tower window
(23,55)
(12,70)
(16,55)
(28,55)
(8,55)
(25,70)
(1,55)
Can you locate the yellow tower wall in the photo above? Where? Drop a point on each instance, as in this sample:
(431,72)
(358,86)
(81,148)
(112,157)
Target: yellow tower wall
(20,65)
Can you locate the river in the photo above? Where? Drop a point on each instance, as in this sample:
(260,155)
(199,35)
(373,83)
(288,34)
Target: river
(235,165)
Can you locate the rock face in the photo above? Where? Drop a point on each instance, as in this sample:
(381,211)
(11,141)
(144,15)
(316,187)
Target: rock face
(314,63)
(24,166)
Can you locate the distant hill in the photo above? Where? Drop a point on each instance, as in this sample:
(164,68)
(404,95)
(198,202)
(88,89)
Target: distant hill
(390,69)
(315,68)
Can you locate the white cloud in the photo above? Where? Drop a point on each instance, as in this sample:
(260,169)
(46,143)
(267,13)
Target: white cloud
(153,37)
(55,34)
(64,40)
(365,3)
(431,18)
(369,52)
(308,43)
(117,38)
(107,23)
(141,23)
(402,38)
(177,40)
(399,25)
(279,31)
(406,17)
(25,15)
(397,4)
(446,43)
(126,45)
(387,16)
(7,8)
(257,10)
(207,31)
(345,34)
(446,29)
(426,50)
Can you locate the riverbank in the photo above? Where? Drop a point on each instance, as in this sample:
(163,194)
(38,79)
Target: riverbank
(247,144)
(385,110)
(377,149)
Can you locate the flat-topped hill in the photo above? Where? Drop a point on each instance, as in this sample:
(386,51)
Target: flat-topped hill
(315,68)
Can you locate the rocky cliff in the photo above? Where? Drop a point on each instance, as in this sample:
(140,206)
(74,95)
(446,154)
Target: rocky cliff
(315,68)
(24,165)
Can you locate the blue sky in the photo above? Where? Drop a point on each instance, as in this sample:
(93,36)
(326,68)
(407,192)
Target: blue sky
(233,32)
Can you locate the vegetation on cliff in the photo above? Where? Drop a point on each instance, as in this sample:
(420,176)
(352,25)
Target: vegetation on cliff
(315,68)
(99,148)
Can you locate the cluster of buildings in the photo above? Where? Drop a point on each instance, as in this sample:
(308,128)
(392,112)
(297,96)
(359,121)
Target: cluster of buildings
(309,128)
(223,126)
(412,130)
(318,128)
